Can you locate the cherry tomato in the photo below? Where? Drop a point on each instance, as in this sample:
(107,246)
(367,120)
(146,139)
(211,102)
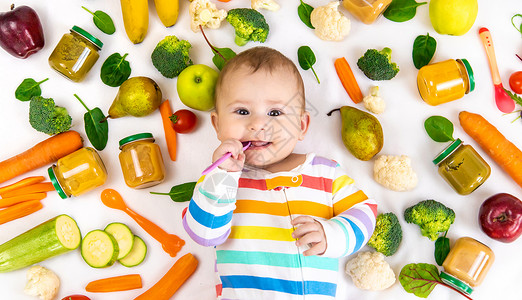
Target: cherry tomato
(184,121)
(76,297)
(515,82)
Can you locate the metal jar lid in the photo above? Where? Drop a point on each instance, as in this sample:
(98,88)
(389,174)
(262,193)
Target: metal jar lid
(456,283)
(56,183)
(136,137)
(88,36)
(469,70)
(446,152)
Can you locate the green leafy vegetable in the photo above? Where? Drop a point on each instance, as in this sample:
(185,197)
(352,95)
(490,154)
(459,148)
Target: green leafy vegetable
(181,192)
(514,96)
(221,55)
(304,11)
(102,20)
(402,10)
(423,50)
(97,130)
(439,129)
(29,88)
(519,27)
(419,279)
(442,248)
(115,70)
(306,59)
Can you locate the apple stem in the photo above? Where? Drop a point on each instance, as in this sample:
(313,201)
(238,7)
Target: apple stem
(211,47)
(501,218)
(12,6)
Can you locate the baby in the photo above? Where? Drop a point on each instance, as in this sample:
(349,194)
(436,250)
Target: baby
(279,220)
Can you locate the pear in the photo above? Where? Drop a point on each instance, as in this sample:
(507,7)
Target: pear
(137,96)
(361,132)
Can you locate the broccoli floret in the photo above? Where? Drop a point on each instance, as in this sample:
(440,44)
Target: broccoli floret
(387,235)
(46,117)
(250,25)
(432,217)
(377,65)
(171,56)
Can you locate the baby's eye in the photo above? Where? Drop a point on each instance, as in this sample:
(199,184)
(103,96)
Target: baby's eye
(274,113)
(242,111)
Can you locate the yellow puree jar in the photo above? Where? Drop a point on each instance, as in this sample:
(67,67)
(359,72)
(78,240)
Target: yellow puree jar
(75,54)
(367,11)
(445,81)
(78,173)
(462,167)
(467,264)
(141,161)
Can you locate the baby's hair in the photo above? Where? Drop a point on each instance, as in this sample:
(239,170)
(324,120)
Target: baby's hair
(265,59)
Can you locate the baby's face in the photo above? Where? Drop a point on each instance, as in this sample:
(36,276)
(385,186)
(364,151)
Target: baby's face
(263,108)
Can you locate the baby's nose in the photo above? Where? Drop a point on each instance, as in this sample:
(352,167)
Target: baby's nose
(258,123)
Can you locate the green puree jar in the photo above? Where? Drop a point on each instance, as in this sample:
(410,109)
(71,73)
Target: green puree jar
(75,54)
(462,167)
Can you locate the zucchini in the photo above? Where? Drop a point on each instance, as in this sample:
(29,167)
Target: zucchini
(137,254)
(99,249)
(53,237)
(123,236)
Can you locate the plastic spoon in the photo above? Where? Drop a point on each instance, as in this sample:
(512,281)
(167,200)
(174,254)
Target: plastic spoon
(171,243)
(222,159)
(504,102)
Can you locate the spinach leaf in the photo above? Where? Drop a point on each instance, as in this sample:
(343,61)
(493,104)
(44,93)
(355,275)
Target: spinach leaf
(181,192)
(96,130)
(115,70)
(419,279)
(304,11)
(102,20)
(439,129)
(519,27)
(423,50)
(306,58)
(402,10)
(442,248)
(28,88)
(221,56)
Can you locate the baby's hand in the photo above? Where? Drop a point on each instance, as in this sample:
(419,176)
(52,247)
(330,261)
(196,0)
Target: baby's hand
(311,232)
(236,161)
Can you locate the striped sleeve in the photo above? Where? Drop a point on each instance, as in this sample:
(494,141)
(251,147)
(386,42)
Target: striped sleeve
(354,217)
(209,215)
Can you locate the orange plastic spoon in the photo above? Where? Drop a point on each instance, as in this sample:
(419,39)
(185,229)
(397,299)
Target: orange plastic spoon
(171,243)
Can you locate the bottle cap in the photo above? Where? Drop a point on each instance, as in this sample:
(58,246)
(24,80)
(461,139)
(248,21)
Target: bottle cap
(446,152)
(456,283)
(88,36)
(469,70)
(56,183)
(136,137)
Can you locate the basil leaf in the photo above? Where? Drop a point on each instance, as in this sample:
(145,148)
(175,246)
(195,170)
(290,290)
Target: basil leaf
(102,20)
(115,70)
(306,58)
(402,10)
(419,279)
(28,88)
(439,129)
(519,27)
(181,192)
(442,248)
(96,130)
(226,53)
(304,10)
(423,50)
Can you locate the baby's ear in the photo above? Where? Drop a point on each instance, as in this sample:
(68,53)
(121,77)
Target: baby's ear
(214,120)
(305,123)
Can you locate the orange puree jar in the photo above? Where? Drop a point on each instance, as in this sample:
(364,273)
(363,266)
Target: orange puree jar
(467,264)
(367,11)
(445,81)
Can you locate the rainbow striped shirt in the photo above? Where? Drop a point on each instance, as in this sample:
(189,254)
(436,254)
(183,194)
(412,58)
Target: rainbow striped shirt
(247,217)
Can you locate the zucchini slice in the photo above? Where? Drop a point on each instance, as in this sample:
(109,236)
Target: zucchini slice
(99,249)
(137,254)
(123,236)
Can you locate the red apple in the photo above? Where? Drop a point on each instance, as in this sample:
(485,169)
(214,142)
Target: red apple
(21,32)
(500,217)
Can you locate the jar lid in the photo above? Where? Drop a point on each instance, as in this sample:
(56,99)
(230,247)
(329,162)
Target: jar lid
(456,283)
(88,36)
(56,183)
(446,152)
(136,137)
(470,73)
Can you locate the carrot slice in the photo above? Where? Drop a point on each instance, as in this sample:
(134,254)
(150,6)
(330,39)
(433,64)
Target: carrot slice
(30,189)
(21,183)
(115,284)
(19,210)
(348,79)
(5,202)
(170,133)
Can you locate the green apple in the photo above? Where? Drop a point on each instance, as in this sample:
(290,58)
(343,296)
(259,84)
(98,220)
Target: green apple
(196,85)
(453,17)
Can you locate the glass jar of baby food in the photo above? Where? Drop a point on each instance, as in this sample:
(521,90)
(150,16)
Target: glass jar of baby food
(445,81)
(462,167)
(78,173)
(75,54)
(367,11)
(141,161)
(467,264)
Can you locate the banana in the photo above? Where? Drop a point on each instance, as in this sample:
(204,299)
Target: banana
(167,11)
(135,18)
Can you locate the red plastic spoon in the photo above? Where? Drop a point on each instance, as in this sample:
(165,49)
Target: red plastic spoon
(504,102)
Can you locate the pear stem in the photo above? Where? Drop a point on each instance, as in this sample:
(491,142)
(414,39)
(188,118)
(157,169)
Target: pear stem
(105,119)
(330,113)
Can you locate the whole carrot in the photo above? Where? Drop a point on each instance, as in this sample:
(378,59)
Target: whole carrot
(21,183)
(5,202)
(348,79)
(30,189)
(19,210)
(42,154)
(170,133)
(500,149)
(115,284)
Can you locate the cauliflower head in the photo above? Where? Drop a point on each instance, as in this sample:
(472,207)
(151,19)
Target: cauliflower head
(369,271)
(42,283)
(395,172)
(205,13)
(373,102)
(264,4)
(330,24)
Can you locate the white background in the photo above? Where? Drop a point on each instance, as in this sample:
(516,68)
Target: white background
(402,122)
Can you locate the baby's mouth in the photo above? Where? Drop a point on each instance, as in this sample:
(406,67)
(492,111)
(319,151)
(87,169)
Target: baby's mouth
(258,145)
